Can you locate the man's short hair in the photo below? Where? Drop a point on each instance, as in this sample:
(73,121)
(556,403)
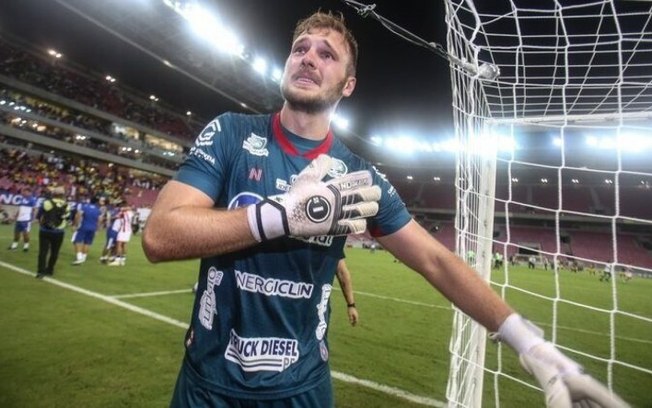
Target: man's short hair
(330,21)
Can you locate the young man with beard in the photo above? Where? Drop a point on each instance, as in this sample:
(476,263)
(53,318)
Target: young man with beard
(266,201)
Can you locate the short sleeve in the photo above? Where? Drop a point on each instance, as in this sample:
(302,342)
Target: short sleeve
(392,212)
(207,163)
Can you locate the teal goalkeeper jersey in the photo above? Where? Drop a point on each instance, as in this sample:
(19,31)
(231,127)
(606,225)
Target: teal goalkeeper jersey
(260,318)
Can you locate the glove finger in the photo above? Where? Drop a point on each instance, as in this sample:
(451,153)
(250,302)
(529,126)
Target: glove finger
(348,226)
(352,181)
(583,404)
(315,170)
(547,375)
(359,210)
(585,387)
(364,194)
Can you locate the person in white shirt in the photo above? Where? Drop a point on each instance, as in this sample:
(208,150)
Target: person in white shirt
(123,225)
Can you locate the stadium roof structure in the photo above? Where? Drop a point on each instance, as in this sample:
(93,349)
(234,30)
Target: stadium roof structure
(156,29)
(188,67)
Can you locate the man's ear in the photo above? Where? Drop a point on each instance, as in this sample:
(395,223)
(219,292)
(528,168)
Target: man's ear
(349,86)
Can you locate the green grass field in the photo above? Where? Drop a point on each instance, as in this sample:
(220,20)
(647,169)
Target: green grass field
(91,337)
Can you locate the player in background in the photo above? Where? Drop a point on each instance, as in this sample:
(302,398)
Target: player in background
(135,222)
(87,222)
(627,274)
(124,236)
(344,278)
(607,272)
(111,222)
(24,217)
(266,202)
(52,215)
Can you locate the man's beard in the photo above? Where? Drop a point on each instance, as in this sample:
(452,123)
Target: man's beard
(313,104)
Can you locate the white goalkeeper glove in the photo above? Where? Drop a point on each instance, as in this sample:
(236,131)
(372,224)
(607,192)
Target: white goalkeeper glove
(564,383)
(313,207)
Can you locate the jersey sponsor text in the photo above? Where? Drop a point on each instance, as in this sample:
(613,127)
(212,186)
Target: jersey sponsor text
(273,287)
(261,353)
(194,151)
(208,303)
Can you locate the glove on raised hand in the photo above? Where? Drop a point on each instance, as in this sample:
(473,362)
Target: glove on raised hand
(564,383)
(313,207)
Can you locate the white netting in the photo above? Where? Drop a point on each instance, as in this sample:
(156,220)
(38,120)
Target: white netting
(575,88)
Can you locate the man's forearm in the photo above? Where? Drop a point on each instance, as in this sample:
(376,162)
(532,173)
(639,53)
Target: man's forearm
(460,284)
(195,232)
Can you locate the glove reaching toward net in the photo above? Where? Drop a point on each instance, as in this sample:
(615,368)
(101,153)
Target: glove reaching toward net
(564,383)
(313,207)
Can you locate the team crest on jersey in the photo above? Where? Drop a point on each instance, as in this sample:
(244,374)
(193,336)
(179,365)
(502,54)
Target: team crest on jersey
(338,168)
(205,138)
(256,145)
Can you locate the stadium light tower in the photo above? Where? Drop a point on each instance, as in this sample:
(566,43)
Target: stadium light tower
(260,65)
(54,53)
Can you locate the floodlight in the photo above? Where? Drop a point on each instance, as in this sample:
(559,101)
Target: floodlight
(340,121)
(207,26)
(260,65)
(277,74)
(55,53)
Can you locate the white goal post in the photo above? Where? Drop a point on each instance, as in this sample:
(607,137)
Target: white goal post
(575,85)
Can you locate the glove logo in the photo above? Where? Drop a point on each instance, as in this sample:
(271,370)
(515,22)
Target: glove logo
(318,209)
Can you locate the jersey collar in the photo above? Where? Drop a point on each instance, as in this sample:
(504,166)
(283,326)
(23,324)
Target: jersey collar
(289,148)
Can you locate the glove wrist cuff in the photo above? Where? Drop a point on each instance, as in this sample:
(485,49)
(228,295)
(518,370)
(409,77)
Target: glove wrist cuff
(252,219)
(266,220)
(519,333)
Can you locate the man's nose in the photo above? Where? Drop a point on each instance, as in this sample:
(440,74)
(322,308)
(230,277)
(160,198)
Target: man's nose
(308,59)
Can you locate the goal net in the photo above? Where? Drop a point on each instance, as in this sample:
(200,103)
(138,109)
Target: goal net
(554,167)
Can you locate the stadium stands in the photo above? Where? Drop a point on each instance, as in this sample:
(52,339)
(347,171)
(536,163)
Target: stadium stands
(79,97)
(63,81)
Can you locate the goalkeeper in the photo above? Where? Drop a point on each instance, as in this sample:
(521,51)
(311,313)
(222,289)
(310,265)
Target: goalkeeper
(266,202)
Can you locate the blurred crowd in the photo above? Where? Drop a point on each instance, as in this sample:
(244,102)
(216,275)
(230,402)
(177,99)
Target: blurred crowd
(94,92)
(81,178)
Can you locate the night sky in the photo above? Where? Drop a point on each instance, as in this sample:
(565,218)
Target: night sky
(400,86)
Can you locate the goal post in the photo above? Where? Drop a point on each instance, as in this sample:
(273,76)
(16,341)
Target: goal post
(575,86)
